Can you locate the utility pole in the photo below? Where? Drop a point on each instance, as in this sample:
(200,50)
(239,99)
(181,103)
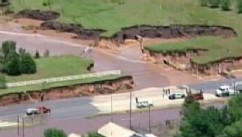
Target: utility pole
(18,124)
(23,126)
(149,121)
(130,112)
(111,107)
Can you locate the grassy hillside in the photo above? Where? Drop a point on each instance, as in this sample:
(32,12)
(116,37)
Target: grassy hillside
(111,16)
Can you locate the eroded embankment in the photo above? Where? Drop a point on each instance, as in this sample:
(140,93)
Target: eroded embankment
(88,89)
(183,61)
(173,31)
(38,15)
(149,31)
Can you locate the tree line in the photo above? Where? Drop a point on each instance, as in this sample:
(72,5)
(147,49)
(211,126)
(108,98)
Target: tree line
(225,5)
(211,121)
(13,62)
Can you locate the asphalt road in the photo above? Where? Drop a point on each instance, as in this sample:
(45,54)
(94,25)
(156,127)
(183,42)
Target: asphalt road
(140,122)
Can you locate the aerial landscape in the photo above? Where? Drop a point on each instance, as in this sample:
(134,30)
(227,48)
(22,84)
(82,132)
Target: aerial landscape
(120,68)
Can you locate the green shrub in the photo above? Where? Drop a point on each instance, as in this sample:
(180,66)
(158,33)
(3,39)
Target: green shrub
(204,3)
(8,47)
(54,133)
(2,82)
(94,134)
(225,5)
(12,64)
(214,3)
(239,6)
(28,65)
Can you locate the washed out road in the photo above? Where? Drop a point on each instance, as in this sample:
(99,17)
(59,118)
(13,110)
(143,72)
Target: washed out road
(77,108)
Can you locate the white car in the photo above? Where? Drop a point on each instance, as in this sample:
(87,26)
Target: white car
(177,96)
(143,104)
(225,90)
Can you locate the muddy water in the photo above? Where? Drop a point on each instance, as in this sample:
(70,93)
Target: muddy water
(144,75)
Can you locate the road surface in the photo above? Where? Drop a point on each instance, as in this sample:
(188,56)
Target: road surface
(139,121)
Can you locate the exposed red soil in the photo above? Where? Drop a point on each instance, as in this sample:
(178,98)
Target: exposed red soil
(182,61)
(118,85)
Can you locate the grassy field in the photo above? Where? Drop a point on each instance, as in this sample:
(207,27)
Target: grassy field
(55,67)
(220,48)
(112,16)
(55,84)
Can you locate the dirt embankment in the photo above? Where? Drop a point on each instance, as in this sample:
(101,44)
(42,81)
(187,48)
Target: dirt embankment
(77,29)
(217,67)
(166,32)
(182,61)
(148,31)
(173,31)
(38,15)
(88,89)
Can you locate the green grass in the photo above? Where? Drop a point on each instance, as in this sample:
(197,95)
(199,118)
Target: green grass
(55,67)
(104,14)
(220,49)
(39,87)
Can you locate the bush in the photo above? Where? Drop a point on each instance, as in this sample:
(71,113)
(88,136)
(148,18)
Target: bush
(239,6)
(8,47)
(37,55)
(2,82)
(94,134)
(12,64)
(47,53)
(28,65)
(54,133)
(203,3)
(214,3)
(225,5)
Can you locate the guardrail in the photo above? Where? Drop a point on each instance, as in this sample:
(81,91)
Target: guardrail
(66,78)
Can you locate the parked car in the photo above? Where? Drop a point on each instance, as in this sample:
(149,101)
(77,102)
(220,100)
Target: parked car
(143,104)
(177,96)
(224,91)
(37,111)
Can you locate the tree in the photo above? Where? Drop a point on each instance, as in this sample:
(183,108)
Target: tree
(234,130)
(12,64)
(203,3)
(2,82)
(54,133)
(93,134)
(214,3)
(8,47)
(225,5)
(198,122)
(47,53)
(234,108)
(37,55)
(28,65)
(239,6)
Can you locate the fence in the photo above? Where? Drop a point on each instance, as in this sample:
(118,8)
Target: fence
(60,79)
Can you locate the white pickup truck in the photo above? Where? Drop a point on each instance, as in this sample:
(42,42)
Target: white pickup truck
(143,103)
(225,90)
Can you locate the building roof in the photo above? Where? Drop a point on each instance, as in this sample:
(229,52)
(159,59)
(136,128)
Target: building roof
(113,130)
